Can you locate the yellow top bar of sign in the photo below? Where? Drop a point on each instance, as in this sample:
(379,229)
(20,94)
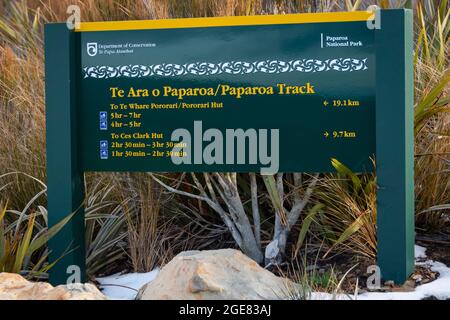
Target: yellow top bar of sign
(226,21)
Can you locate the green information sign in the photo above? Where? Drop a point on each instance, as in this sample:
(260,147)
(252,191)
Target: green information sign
(314,83)
(243,94)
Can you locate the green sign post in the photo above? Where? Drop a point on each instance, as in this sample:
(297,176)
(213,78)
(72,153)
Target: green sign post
(243,94)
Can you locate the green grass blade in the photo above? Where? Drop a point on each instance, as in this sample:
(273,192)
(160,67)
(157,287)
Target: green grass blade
(24,245)
(351,230)
(306,224)
(43,239)
(429,99)
(344,170)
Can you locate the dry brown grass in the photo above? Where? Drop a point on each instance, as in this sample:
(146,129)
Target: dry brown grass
(348,219)
(108,10)
(22,108)
(433,174)
(22,147)
(432,146)
(22,118)
(148,231)
(22,130)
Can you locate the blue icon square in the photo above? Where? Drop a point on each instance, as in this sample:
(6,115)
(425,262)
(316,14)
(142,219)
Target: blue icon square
(103,125)
(103,145)
(103,154)
(103,120)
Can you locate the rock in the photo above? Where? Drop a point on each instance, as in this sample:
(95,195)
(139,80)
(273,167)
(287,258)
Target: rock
(15,287)
(83,291)
(225,274)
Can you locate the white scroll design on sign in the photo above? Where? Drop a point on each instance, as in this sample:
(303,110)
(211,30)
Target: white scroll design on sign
(233,67)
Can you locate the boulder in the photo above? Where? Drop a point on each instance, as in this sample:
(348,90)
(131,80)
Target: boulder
(225,274)
(15,287)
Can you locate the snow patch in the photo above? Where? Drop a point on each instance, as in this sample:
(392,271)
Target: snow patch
(439,288)
(420,252)
(125,286)
(329,296)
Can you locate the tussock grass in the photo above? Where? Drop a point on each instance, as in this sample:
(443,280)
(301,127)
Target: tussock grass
(432,114)
(22,130)
(347,218)
(119,207)
(309,281)
(148,235)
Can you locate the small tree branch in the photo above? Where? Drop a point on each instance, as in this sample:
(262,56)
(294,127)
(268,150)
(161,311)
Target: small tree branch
(182,193)
(223,183)
(224,197)
(236,218)
(215,206)
(199,185)
(255,208)
(280,188)
(298,206)
(210,187)
(298,180)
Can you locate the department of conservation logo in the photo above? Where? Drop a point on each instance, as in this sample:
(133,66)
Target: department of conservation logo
(91,48)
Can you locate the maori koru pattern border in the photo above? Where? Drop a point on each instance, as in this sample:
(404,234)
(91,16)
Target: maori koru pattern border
(233,67)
